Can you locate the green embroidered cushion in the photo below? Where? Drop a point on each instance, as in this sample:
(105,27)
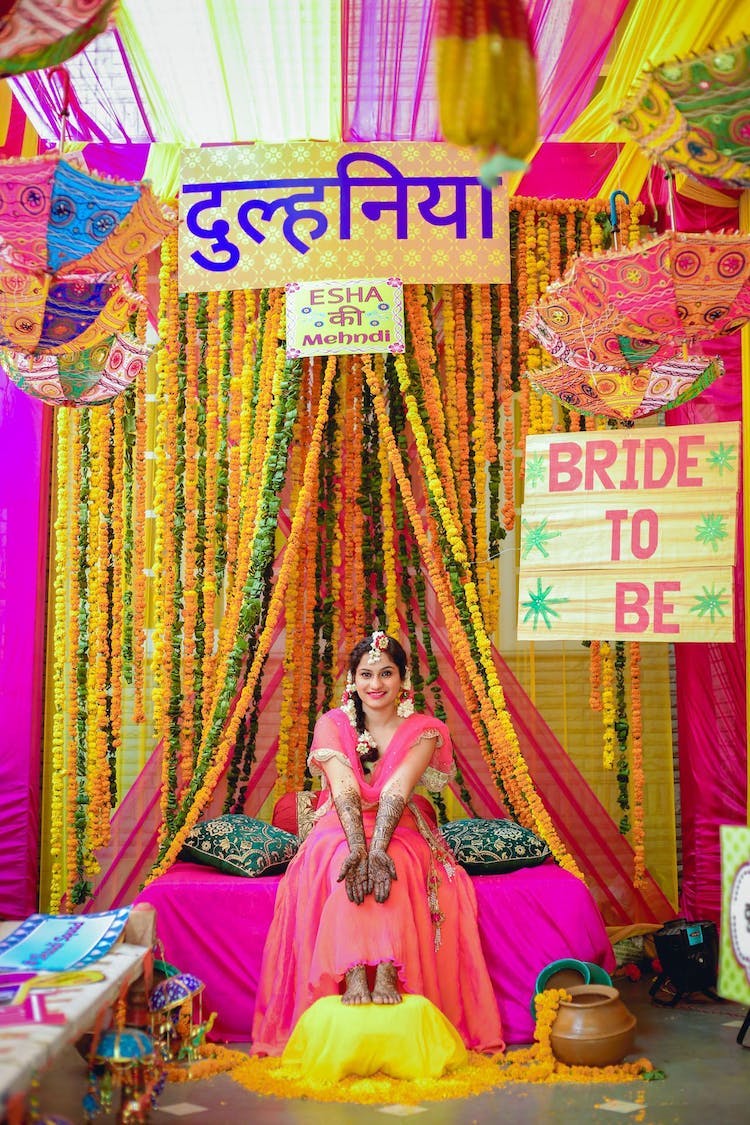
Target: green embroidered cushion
(240,845)
(486,847)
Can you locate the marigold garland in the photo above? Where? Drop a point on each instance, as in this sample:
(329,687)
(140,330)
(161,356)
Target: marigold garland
(636,774)
(608,705)
(58,761)
(505,756)
(201,792)
(213,1059)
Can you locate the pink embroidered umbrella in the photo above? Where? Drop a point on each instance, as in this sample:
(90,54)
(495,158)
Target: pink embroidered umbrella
(633,319)
(67,242)
(52,313)
(629,393)
(86,378)
(57,217)
(36,34)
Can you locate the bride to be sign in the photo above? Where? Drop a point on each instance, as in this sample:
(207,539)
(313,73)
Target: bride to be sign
(630,534)
(262,215)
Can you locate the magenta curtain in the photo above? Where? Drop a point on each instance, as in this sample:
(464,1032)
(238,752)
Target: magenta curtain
(710,678)
(25,439)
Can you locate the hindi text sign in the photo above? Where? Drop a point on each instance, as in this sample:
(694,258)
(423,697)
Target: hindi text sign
(630,535)
(344,317)
(262,215)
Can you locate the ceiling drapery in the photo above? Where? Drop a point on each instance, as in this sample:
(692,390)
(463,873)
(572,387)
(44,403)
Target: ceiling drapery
(360,70)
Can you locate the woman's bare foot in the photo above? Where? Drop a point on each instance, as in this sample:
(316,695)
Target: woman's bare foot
(357,991)
(386,979)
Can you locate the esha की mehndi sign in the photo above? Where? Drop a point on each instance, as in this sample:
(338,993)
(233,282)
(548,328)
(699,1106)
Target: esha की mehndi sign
(630,535)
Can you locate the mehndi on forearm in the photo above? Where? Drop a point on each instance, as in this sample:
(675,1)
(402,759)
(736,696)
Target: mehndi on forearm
(381,870)
(390,810)
(353,871)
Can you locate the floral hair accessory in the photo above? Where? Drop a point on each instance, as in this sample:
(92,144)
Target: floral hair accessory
(378,645)
(347,700)
(406,699)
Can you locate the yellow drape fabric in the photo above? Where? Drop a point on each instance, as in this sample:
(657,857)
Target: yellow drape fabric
(230,79)
(654,33)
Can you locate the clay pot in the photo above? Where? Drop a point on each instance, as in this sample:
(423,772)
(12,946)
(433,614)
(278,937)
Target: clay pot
(593,1028)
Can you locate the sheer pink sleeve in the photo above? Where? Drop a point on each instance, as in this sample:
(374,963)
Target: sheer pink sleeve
(441,769)
(326,744)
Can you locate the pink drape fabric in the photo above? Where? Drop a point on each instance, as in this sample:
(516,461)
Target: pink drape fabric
(388,64)
(100,109)
(317,934)
(215,926)
(710,678)
(25,425)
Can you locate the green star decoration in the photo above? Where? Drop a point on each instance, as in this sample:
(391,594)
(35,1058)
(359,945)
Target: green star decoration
(711,530)
(723,457)
(540,605)
(535,470)
(712,603)
(536,536)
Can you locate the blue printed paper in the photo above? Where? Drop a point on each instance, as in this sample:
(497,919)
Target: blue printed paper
(56,942)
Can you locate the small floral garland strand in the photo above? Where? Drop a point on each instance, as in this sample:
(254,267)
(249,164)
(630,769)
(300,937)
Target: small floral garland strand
(81,887)
(117,607)
(135,620)
(622,731)
(506,399)
(392,626)
(637,774)
(595,676)
(463,466)
(449,388)
(74,612)
(205,782)
(607,705)
(97,765)
(190,539)
(234,412)
(214,360)
(483,452)
(423,349)
(164,565)
(60,660)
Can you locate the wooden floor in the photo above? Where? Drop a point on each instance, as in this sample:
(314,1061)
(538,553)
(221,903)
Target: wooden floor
(695,1044)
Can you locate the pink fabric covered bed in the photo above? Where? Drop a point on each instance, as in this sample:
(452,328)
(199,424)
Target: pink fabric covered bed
(214,926)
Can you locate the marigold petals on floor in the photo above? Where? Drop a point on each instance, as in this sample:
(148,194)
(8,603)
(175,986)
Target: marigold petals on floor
(214,1059)
(273,1078)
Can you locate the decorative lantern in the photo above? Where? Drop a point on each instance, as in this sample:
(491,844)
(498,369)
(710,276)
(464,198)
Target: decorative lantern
(177,1023)
(124,1059)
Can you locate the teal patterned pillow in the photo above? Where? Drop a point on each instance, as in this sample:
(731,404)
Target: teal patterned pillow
(240,845)
(486,847)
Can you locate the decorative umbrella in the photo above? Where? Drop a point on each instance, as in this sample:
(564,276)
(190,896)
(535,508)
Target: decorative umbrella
(58,218)
(694,114)
(629,393)
(53,313)
(36,34)
(87,378)
(628,313)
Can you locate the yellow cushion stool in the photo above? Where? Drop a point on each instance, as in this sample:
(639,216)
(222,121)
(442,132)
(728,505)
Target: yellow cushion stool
(409,1040)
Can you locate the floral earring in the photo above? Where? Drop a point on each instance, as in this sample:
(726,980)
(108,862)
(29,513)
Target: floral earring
(406,699)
